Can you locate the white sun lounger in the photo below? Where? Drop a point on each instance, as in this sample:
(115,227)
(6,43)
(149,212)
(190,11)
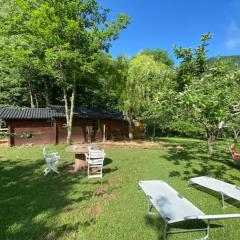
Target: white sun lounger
(223,188)
(175,208)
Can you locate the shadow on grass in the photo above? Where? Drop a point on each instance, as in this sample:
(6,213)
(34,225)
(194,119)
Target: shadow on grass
(196,162)
(217,195)
(109,170)
(107,161)
(158,224)
(28,200)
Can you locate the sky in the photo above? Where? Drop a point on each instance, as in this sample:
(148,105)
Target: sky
(162,24)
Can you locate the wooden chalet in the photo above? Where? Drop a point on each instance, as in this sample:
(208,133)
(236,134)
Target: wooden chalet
(48,125)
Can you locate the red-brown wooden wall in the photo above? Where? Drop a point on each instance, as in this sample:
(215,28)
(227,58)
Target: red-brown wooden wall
(54,132)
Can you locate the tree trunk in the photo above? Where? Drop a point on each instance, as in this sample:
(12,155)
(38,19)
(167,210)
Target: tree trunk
(235,135)
(66,105)
(69,113)
(131,126)
(46,93)
(154,132)
(36,100)
(31,95)
(210,140)
(69,132)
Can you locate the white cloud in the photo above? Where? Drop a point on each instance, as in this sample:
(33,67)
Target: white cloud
(233,36)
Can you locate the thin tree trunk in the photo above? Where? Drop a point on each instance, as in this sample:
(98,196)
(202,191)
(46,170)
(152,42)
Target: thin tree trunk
(46,93)
(66,109)
(210,140)
(70,113)
(69,132)
(235,135)
(154,132)
(31,95)
(130,125)
(36,99)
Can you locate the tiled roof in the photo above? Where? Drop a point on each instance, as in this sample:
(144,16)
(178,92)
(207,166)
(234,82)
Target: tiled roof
(26,113)
(56,112)
(59,111)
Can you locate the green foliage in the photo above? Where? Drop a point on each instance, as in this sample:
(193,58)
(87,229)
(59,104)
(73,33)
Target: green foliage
(208,100)
(149,90)
(232,61)
(159,55)
(210,92)
(53,44)
(193,64)
(58,41)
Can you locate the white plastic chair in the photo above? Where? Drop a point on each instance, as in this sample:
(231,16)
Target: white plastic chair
(95,159)
(51,159)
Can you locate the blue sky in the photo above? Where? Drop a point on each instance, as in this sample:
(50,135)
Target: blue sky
(161,24)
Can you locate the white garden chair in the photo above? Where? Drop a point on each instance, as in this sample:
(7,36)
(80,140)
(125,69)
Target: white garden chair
(95,159)
(51,159)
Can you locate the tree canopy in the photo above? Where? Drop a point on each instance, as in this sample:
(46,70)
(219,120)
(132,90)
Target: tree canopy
(57,53)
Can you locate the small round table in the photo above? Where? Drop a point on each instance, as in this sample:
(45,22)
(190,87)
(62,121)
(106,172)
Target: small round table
(80,161)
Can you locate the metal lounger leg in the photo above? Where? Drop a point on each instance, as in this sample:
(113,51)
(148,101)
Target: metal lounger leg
(222,195)
(165,230)
(150,205)
(190,184)
(207,231)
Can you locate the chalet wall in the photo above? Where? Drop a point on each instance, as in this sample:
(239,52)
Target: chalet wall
(83,130)
(31,132)
(79,131)
(54,132)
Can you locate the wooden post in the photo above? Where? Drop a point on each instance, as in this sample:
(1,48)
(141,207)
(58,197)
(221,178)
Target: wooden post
(54,132)
(10,138)
(104,132)
(89,136)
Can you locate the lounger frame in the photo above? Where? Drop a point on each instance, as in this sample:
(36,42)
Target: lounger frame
(223,196)
(167,222)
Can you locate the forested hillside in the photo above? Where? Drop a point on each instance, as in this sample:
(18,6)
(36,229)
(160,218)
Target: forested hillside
(233,61)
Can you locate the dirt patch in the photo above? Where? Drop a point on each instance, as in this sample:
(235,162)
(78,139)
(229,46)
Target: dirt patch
(105,191)
(180,149)
(4,143)
(134,144)
(93,213)
(101,191)
(110,196)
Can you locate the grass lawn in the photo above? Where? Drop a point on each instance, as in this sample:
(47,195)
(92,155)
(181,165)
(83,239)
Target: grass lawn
(71,207)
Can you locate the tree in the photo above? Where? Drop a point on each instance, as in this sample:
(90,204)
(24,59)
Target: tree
(65,36)
(159,55)
(206,90)
(158,106)
(207,102)
(193,62)
(234,121)
(145,89)
(111,75)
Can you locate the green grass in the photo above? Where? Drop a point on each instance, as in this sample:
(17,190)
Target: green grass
(69,207)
